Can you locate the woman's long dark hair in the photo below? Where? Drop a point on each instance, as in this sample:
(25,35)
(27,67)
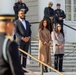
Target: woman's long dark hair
(56,29)
(41,25)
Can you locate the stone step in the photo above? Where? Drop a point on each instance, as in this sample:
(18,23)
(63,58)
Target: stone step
(69,62)
(36,68)
(65,47)
(51,50)
(37,42)
(37,45)
(72,64)
(64,61)
(66,53)
(65,58)
(66,44)
(53,73)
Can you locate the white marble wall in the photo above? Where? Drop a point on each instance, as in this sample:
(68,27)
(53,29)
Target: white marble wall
(32,14)
(6,6)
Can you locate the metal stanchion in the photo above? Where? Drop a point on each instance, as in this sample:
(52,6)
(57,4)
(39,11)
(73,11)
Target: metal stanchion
(30,48)
(30,45)
(41,69)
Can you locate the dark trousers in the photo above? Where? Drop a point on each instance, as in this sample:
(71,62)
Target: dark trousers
(51,26)
(45,69)
(25,47)
(58,62)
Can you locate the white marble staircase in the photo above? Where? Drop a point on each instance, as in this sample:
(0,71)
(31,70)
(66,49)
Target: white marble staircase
(69,63)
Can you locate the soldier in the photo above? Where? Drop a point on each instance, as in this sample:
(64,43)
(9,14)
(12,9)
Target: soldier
(49,15)
(59,16)
(9,58)
(19,5)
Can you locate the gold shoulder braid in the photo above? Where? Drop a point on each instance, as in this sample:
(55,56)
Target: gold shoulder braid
(9,37)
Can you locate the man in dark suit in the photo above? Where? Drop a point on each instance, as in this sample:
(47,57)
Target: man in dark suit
(19,5)
(59,16)
(49,15)
(9,57)
(23,34)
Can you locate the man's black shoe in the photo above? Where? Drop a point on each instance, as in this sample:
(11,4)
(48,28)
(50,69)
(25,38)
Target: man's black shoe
(62,71)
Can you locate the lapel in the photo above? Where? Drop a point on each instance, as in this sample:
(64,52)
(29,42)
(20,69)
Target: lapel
(26,25)
(21,26)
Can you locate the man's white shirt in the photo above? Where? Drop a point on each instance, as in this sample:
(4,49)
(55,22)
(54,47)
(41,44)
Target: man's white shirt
(23,22)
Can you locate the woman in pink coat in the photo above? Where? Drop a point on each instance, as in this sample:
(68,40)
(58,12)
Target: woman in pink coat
(58,47)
